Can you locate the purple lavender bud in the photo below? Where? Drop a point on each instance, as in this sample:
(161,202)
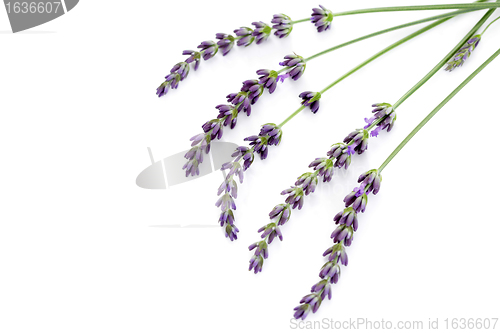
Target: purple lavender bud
(281,213)
(359,204)
(256,263)
(231,231)
(273,133)
(194,56)
(214,128)
(311,99)
(330,270)
(208,49)
(301,311)
(241,101)
(308,181)
(225,202)
(319,286)
(463,53)
(254,90)
(244,153)
(295,196)
(226,217)
(337,253)
(259,144)
(245,37)
(343,233)
(324,166)
(313,300)
(297,66)
(322,18)
(163,89)
(225,43)
(371,181)
(181,68)
(282,24)
(347,217)
(261,31)
(228,114)
(268,78)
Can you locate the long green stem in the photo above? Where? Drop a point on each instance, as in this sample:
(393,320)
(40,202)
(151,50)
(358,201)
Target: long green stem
(397,27)
(445,59)
(427,7)
(433,112)
(367,61)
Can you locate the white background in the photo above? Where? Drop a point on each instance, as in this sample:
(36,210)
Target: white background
(78,252)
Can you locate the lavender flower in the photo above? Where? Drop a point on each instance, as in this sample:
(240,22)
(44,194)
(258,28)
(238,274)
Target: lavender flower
(358,139)
(308,181)
(322,18)
(200,144)
(254,90)
(463,53)
(324,167)
(297,65)
(228,114)
(178,73)
(295,196)
(268,78)
(282,24)
(241,101)
(208,49)
(280,213)
(385,115)
(245,37)
(270,134)
(225,43)
(193,56)
(347,221)
(311,99)
(261,31)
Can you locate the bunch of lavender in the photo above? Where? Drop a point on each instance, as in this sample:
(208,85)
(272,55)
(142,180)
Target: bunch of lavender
(243,100)
(339,156)
(270,135)
(347,221)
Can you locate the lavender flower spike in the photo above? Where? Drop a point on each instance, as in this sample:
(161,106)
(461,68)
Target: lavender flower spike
(347,221)
(225,43)
(261,32)
(297,65)
(322,18)
(311,99)
(208,49)
(464,53)
(245,37)
(178,73)
(282,24)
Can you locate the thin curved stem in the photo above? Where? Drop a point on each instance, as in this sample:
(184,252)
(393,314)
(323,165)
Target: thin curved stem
(445,59)
(425,7)
(397,27)
(489,25)
(433,112)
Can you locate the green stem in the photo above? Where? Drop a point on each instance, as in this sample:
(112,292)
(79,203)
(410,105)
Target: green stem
(445,59)
(489,25)
(427,7)
(432,18)
(291,116)
(300,21)
(366,62)
(433,112)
